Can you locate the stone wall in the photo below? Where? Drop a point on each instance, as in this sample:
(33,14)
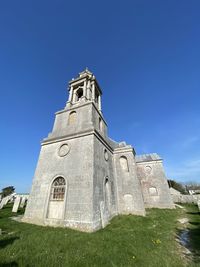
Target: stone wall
(129,193)
(154,184)
(186,199)
(104,185)
(57,161)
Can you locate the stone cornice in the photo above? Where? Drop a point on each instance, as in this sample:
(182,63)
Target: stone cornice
(48,141)
(124,149)
(149,161)
(82,105)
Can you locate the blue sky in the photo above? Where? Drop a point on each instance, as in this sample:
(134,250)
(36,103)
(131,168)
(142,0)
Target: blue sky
(145,55)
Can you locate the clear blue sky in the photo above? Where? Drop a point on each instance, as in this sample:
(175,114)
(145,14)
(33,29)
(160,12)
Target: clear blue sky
(145,55)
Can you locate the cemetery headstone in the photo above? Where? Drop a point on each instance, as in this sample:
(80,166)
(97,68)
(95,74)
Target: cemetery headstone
(16,204)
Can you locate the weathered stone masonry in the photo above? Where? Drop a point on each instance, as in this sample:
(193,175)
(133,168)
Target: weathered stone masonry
(83,178)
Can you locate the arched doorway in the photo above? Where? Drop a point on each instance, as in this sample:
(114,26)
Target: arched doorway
(57,198)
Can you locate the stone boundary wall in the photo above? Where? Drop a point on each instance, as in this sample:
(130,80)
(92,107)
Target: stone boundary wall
(186,199)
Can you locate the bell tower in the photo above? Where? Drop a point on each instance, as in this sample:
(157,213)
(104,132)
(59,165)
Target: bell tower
(83,89)
(74,180)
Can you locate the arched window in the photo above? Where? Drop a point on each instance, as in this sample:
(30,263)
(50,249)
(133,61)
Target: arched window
(106,181)
(72,118)
(79,93)
(124,163)
(153,191)
(107,193)
(58,189)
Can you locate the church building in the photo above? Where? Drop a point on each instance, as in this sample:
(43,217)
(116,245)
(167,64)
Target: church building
(83,178)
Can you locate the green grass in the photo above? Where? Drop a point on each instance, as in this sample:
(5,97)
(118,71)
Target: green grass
(127,241)
(194,234)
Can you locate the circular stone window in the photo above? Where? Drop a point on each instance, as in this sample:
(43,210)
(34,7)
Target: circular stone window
(106,155)
(63,150)
(148,169)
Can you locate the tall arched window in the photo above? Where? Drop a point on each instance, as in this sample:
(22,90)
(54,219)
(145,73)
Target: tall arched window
(58,189)
(107,193)
(124,163)
(72,118)
(79,93)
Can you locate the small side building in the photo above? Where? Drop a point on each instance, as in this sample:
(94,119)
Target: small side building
(154,183)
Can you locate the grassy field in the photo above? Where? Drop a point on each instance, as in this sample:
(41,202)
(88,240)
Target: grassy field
(127,241)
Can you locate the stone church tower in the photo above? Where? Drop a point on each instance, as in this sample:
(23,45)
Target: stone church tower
(83,178)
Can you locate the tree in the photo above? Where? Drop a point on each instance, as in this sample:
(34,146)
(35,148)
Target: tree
(7,191)
(178,186)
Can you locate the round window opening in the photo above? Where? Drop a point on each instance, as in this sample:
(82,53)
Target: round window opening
(63,150)
(106,155)
(148,169)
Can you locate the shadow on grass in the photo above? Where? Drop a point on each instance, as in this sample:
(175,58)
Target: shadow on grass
(194,235)
(10,264)
(189,238)
(194,223)
(194,213)
(6,242)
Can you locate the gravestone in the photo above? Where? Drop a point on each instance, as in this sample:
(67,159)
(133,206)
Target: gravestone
(3,202)
(7,198)
(23,201)
(16,204)
(198,203)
